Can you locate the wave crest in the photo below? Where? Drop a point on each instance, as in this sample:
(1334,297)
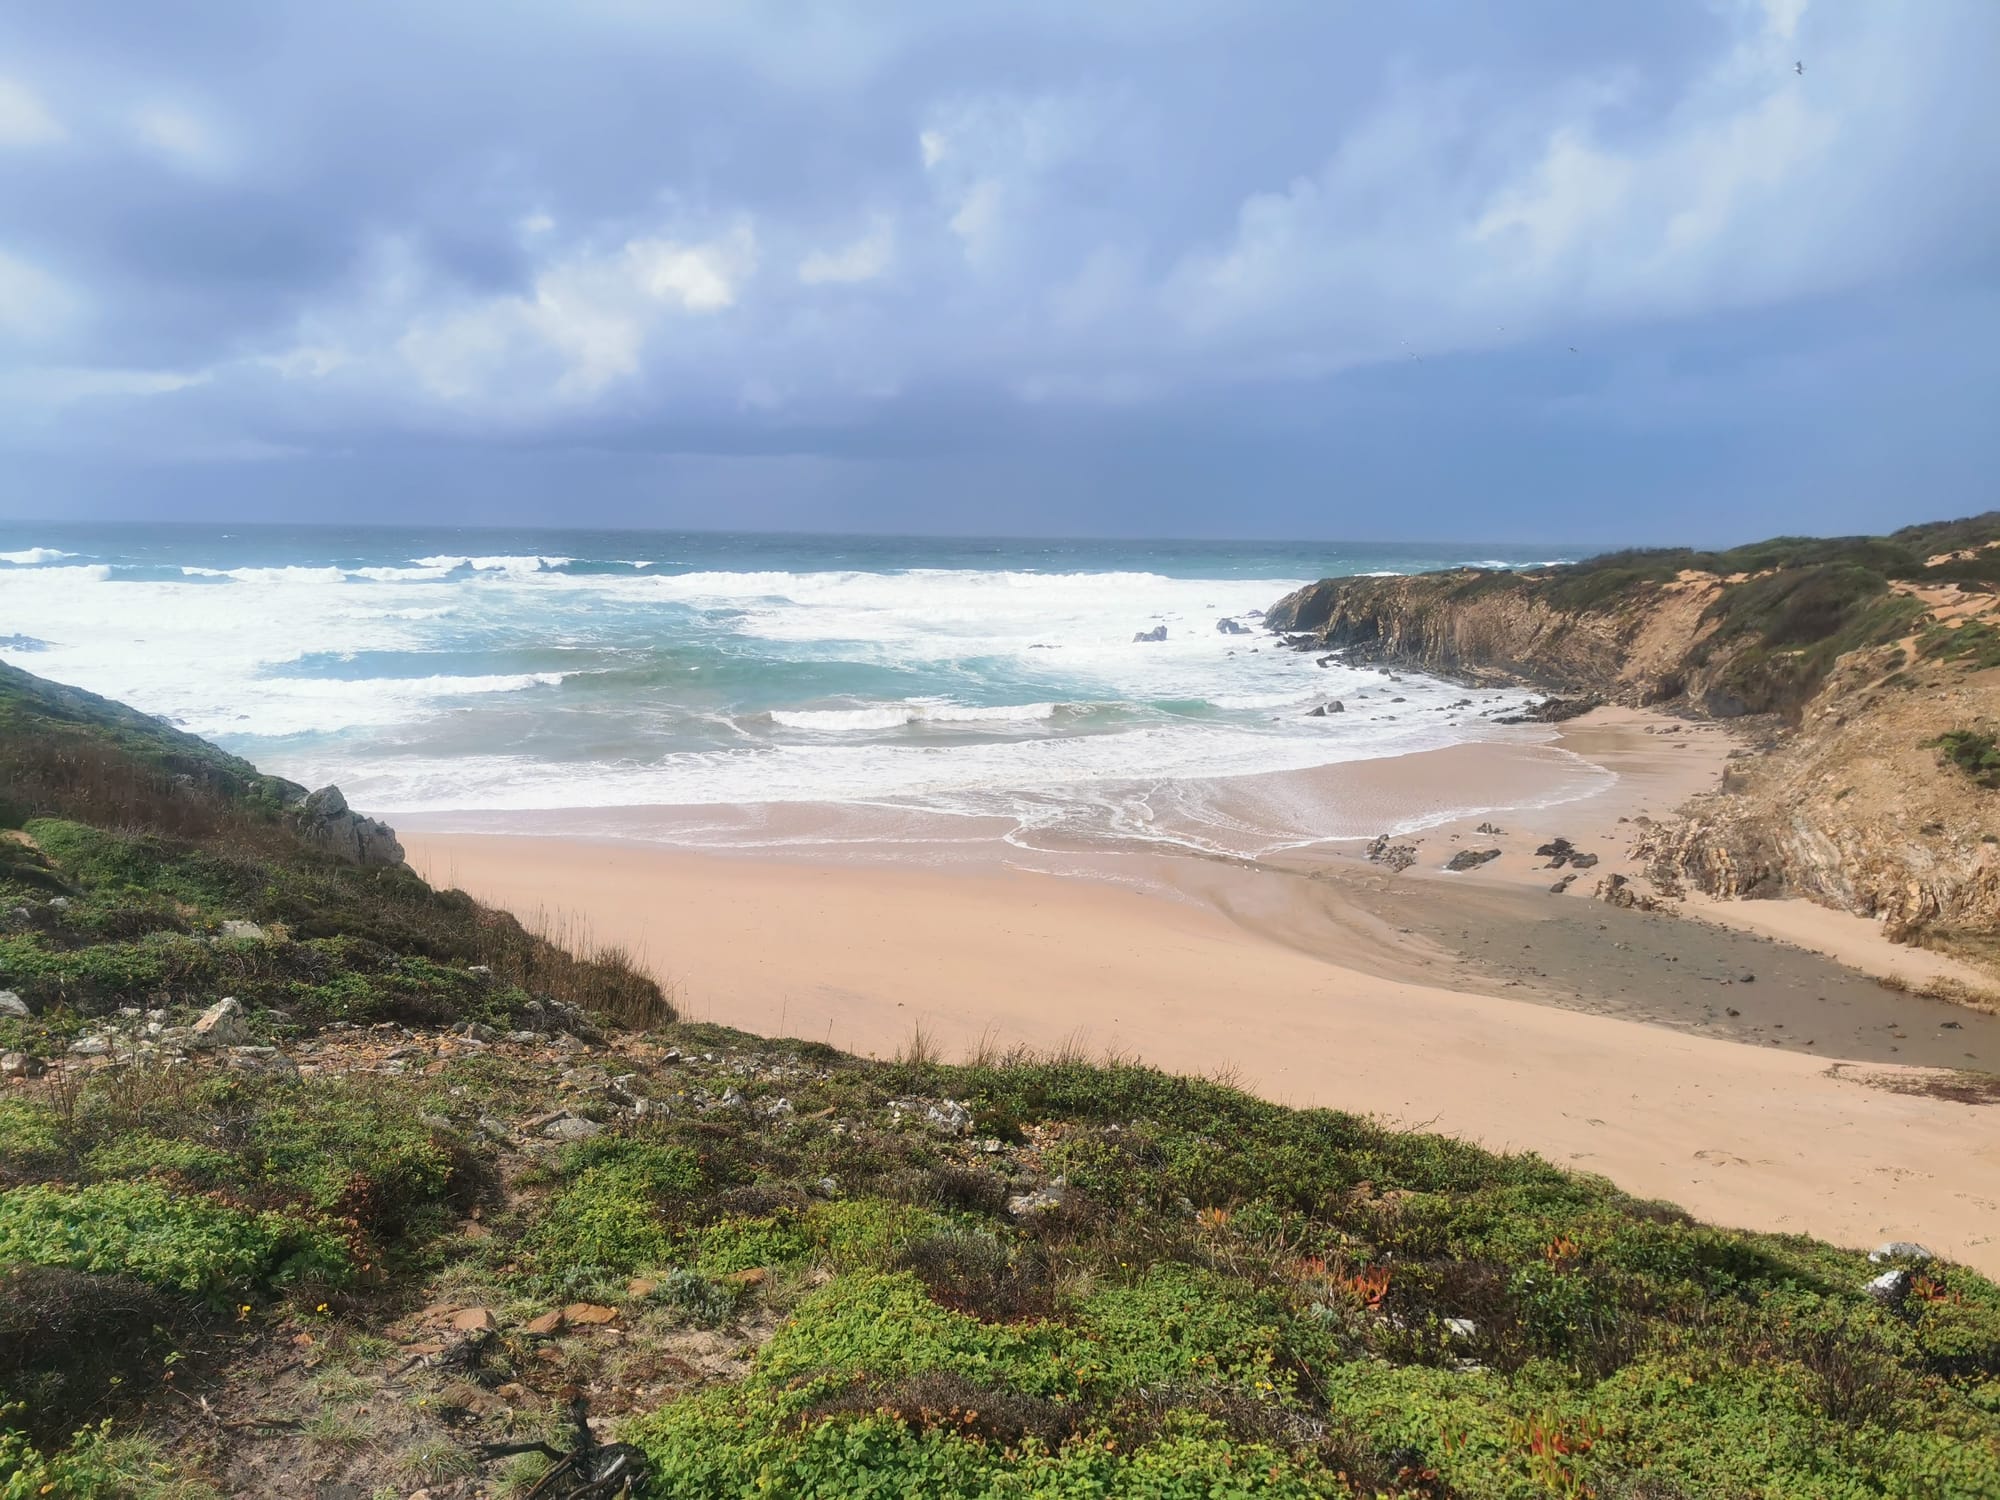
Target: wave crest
(34,557)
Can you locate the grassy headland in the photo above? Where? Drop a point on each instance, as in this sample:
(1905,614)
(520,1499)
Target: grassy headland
(433,1179)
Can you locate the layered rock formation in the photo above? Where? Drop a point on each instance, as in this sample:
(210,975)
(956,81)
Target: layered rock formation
(1848,658)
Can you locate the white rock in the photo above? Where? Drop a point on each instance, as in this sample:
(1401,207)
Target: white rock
(949,1116)
(1040,1201)
(1463,1328)
(1899,1250)
(572,1128)
(90,1046)
(1890,1285)
(245,930)
(20,1065)
(12,1004)
(221,1025)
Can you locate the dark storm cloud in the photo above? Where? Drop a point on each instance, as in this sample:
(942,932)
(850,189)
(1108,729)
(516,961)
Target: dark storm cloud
(1101,266)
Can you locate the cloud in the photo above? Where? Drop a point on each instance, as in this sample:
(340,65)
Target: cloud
(180,136)
(24,119)
(862,260)
(58,385)
(656,227)
(34,305)
(584,323)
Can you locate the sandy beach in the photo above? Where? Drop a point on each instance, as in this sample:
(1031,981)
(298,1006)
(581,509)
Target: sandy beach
(1755,1082)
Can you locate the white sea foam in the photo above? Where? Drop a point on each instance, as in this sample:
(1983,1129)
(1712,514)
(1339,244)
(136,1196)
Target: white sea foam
(35,556)
(401,575)
(65,574)
(497,564)
(916,711)
(270,575)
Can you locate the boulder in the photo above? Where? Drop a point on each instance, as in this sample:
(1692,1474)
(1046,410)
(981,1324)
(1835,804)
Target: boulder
(1891,1286)
(1470,859)
(90,1046)
(1331,706)
(569,1127)
(21,1065)
(1157,633)
(1227,626)
(12,1004)
(949,1116)
(221,1025)
(325,820)
(1550,711)
(1899,1250)
(1616,890)
(242,931)
(1562,885)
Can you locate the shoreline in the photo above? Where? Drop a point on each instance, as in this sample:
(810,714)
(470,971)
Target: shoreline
(1612,1041)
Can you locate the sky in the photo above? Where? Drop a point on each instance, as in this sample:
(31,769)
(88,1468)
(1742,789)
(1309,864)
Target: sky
(1435,270)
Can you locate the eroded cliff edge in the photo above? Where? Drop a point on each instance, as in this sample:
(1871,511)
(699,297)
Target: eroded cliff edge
(1865,671)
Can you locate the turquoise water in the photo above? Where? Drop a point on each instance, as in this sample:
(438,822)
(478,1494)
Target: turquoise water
(432,672)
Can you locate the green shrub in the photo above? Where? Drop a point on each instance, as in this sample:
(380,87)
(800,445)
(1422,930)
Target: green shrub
(145,1155)
(1176,1325)
(867,1232)
(609,1216)
(348,1148)
(743,1244)
(32,1144)
(1976,754)
(169,1238)
(91,1466)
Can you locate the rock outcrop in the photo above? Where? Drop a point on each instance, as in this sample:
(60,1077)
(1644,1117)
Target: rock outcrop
(1848,659)
(325,821)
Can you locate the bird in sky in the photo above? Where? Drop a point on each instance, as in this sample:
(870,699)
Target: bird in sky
(1799,68)
(1572,348)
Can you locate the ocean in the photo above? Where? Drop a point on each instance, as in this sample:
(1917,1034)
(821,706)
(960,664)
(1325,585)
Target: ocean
(441,673)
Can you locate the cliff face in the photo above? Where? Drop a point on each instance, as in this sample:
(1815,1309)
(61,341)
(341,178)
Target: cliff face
(1467,623)
(1862,653)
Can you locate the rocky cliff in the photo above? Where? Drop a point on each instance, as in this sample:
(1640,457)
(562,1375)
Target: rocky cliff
(62,743)
(1857,657)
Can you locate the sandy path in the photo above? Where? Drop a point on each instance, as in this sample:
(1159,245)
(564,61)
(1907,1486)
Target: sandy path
(860,955)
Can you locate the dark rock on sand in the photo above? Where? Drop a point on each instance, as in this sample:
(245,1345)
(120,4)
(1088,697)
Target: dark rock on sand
(1157,633)
(1471,859)
(1551,711)
(1616,890)
(1395,856)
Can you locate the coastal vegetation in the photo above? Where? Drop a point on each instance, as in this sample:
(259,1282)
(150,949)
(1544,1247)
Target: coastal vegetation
(1976,754)
(310,1171)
